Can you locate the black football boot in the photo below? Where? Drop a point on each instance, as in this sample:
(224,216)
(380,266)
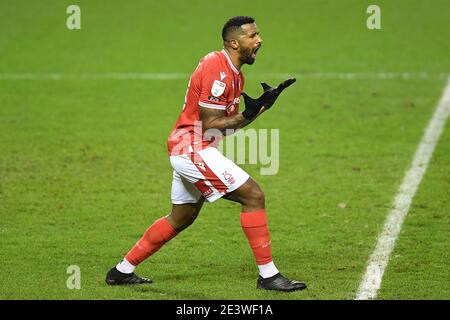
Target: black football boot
(114,277)
(279,283)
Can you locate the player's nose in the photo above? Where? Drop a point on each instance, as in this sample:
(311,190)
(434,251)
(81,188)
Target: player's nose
(259,40)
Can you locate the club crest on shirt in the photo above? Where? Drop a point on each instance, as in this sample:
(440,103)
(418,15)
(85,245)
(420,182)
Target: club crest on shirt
(218,88)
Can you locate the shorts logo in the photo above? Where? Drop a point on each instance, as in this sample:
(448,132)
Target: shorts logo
(228,177)
(218,88)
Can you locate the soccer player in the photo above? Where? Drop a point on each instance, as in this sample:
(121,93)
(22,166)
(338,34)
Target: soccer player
(201,172)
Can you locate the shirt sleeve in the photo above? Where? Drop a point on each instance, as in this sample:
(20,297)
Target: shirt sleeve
(214,90)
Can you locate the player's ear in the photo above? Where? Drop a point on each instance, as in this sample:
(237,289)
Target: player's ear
(234,44)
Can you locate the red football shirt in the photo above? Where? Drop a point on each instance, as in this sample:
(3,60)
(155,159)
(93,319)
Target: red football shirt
(217,84)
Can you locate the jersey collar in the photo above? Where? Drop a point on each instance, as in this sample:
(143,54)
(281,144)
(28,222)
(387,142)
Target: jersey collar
(225,53)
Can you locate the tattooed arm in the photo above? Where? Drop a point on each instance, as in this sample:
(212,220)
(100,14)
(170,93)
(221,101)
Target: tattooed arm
(216,119)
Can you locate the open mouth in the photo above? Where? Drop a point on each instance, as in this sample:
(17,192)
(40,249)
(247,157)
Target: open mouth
(255,51)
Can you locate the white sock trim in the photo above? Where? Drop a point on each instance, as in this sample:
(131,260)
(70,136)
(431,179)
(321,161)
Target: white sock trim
(125,267)
(267,270)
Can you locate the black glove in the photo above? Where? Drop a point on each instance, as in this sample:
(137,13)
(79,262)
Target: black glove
(252,106)
(276,91)
(266,100)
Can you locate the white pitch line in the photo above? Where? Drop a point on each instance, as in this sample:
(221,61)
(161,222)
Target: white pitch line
(359,75)
(379,259)
(93,76)
(180,76)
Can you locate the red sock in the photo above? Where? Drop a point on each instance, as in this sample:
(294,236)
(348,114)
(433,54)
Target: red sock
(153,239)
(255,228)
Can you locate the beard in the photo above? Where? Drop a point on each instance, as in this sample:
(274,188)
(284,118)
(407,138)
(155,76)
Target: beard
(246,56)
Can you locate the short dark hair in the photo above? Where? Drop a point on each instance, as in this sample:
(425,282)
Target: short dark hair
(234,24)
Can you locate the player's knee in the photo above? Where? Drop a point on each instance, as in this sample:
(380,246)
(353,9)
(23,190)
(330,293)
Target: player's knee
(188,221)
(180,220)
(257,197)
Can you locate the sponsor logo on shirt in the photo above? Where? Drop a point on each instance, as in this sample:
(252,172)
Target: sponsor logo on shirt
(213,99)
(230,108)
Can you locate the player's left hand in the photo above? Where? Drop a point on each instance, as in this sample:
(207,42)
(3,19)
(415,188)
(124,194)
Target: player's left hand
(266,100)
(275,92)
(253,106)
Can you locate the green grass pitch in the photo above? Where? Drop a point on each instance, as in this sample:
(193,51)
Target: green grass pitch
(84,170)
